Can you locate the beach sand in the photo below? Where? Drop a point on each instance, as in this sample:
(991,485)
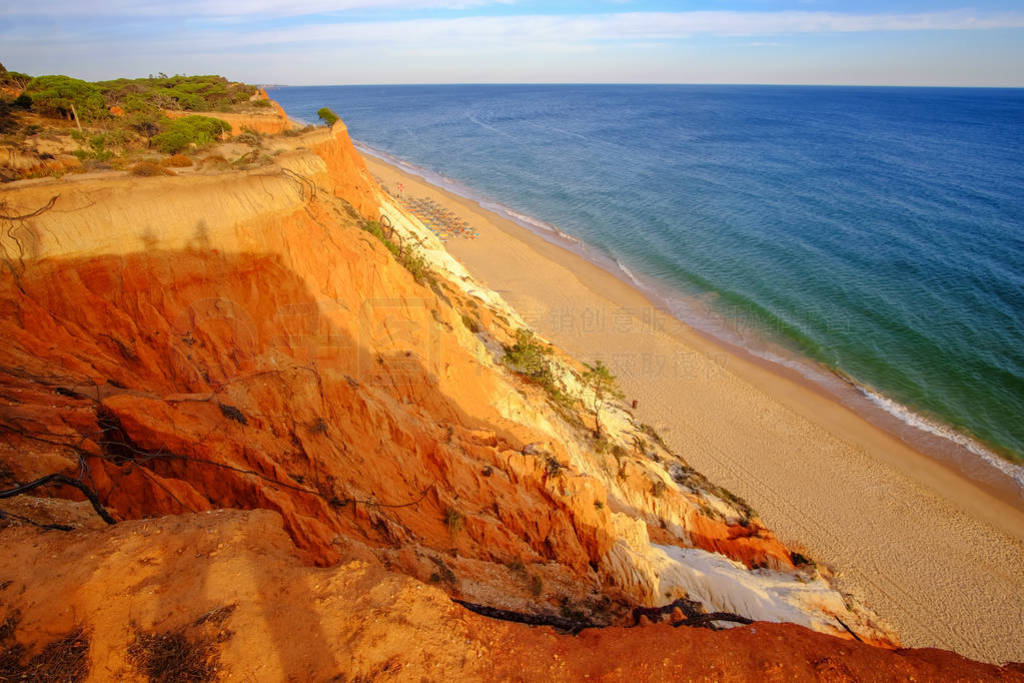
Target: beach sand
(933,553)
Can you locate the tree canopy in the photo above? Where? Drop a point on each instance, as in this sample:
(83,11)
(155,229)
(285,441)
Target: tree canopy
(58,94)
(327,116)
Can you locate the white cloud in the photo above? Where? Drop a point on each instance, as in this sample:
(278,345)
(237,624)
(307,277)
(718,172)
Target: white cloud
(526,48)
(627,26)
(224,8)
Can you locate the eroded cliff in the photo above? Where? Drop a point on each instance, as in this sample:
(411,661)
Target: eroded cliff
(287,338)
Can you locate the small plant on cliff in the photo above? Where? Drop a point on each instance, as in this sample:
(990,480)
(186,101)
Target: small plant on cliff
(454,520)
(412,261)
(327,116)
(531,359)
(601,380)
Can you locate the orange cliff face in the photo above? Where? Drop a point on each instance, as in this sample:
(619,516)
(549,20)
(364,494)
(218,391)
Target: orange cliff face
(188,344)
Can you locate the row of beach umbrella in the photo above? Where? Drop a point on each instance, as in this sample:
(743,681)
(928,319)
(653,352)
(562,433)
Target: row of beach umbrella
(441,221)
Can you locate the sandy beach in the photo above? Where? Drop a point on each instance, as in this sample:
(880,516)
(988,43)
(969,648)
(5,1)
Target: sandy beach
(935,554)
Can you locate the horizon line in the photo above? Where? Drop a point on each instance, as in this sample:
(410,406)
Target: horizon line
(625,83)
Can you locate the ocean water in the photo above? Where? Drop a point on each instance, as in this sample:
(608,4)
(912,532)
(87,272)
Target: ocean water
(878,232)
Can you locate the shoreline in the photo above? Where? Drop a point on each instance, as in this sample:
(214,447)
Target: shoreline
(961,453)
(897,523)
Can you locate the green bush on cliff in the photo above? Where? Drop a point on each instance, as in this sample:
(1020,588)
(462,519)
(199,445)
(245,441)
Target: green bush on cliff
(327,116)
(411,260)
(532,359)
(66,96)
(177,134)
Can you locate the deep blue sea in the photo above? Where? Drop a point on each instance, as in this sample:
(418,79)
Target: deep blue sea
(876,231)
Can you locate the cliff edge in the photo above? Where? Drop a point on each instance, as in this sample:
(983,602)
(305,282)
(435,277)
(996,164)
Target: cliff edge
(326,449)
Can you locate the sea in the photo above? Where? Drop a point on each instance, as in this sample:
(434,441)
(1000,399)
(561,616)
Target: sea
(868,238)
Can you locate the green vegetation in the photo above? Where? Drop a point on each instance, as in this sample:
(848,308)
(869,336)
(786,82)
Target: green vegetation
(601,380)
(123,116)
(67,97)
(529,357)
(532,359)
(327,116)
(411,260)
(177,134)
(188,93)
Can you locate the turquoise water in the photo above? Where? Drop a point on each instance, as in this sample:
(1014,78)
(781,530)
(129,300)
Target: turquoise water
(877,231)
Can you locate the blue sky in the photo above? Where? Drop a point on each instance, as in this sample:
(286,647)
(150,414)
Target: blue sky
(913,42)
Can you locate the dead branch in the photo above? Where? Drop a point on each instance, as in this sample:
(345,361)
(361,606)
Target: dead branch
(66,481)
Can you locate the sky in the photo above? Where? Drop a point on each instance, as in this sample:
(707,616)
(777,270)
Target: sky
(333,42)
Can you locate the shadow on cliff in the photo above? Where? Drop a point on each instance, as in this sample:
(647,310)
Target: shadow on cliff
(183,381)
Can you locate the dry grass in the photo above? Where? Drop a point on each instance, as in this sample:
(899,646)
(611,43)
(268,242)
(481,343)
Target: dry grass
(171,657)
(187,655)
(65,659)
(215,161)
(147,169)
(177,161)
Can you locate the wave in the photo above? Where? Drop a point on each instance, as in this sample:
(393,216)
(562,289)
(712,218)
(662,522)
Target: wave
(529,221)
(918,421)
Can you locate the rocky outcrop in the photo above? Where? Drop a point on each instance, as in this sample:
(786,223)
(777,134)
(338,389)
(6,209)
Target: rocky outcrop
(257,341)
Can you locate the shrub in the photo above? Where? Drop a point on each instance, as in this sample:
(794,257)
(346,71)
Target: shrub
(530,358)
(7,121)
(327,116)
(177,134)
(176,161)
(413,262)
(262,103)
(417,265)
(249,137)
(147,169)
(295,132)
